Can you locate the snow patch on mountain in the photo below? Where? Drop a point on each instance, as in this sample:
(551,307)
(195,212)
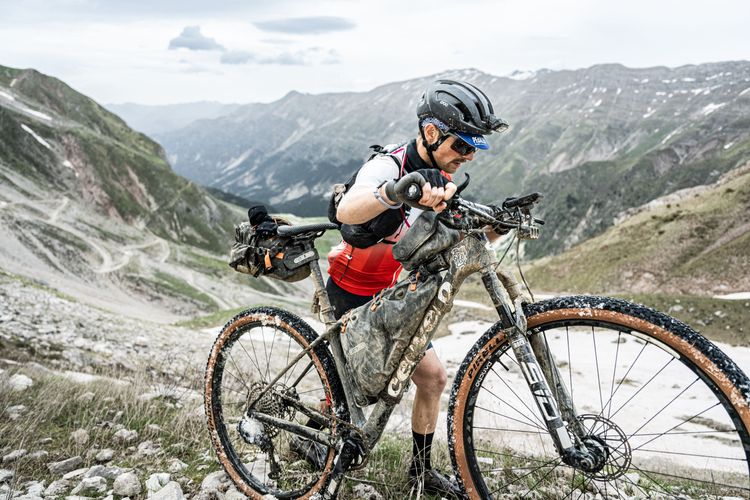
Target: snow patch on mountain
(36,136)
(522,75)
(236,162)
(291,193)
(36,114)
(711,107)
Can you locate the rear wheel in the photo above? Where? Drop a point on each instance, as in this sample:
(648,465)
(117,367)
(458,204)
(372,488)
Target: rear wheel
(667,408)
(249,352)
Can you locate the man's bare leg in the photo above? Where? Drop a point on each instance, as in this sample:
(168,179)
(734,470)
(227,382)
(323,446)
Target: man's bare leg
(430,379)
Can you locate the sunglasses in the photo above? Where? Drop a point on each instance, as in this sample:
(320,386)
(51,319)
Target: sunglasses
(460,146)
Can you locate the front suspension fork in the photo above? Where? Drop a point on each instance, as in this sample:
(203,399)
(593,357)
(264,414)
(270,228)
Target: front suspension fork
(540,372)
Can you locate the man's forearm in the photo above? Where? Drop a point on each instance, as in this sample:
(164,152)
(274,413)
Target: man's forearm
(361,205)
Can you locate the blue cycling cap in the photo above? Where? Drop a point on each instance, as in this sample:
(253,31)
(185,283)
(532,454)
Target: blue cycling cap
(476,140)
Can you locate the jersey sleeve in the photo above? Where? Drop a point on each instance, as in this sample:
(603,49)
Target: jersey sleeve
(375,172)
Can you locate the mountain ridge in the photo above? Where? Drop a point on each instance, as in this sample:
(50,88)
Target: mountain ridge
(639,124)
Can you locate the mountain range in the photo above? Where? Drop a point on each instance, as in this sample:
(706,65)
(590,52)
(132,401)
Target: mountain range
(156,119)
(595,141)
(91,208)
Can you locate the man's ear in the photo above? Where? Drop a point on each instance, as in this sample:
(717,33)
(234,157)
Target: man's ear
(432,133)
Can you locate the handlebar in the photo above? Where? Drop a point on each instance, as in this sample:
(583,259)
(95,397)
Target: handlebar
(513,213)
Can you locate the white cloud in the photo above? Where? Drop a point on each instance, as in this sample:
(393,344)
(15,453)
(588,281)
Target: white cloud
(117,51)
(314,25)
(191,38)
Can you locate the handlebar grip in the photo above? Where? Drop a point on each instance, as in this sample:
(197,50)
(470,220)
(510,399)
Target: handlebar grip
(528,199)
(413,192)
(407,189)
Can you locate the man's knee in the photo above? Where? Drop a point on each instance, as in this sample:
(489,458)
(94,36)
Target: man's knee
(431,377)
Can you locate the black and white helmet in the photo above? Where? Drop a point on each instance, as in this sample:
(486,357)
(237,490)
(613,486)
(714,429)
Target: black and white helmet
(461,106)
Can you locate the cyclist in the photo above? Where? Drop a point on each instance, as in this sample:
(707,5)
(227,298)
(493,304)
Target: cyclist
(453,119)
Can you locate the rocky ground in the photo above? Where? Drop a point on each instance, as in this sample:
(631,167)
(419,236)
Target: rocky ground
(97,405)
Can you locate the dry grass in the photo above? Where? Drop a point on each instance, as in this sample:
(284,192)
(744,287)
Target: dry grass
(56,406)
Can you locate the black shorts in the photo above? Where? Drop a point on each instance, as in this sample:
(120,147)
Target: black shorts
(342,301)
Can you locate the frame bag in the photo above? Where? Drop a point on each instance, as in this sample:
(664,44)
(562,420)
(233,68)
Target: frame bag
(375,336)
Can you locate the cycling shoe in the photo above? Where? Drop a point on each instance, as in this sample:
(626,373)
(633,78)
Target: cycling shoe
(436,483)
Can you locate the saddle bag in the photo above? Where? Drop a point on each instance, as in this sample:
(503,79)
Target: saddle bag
(424,241)
(375,335)
(265,253)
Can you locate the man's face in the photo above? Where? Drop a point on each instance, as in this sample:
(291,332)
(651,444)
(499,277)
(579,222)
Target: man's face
(449,160)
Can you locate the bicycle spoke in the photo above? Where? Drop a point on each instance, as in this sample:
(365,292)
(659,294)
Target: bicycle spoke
(531,424)
(699,455)
(523,415)
(663,408)
(598,377)
(231,358)
(479,427)
(623,379)
(531,489)
(614,376)
(641,388)
(519,478)
(531,412)
(257,365)
(288,352)
(265,349)
(273,342)
(692,479)
(674,427)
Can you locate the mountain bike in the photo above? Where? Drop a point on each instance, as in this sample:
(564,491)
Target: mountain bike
(561,398)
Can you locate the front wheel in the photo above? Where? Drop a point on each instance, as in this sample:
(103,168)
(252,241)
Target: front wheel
(669,409)
(262,458)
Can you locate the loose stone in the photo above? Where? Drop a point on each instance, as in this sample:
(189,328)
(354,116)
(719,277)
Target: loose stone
(126,485)
(64,466)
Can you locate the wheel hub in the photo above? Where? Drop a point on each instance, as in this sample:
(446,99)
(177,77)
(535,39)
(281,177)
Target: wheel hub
(608,446)
(274,403)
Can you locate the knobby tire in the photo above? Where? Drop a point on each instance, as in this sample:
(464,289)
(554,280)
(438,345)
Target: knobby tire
(251,349)
(672,408)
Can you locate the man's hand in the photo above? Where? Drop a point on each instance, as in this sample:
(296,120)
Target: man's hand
(435,189)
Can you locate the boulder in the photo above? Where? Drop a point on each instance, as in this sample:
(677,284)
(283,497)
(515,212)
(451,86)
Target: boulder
(64,466)
(57,488)
(91,486)
(20,382)
(126,485)
(156,482)
(171,491)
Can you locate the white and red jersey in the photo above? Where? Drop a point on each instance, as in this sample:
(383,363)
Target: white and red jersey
(366,271)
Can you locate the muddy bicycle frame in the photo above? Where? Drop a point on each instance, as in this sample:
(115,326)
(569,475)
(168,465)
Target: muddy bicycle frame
(471,255)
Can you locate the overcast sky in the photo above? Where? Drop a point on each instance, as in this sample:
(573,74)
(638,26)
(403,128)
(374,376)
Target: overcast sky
(159,52)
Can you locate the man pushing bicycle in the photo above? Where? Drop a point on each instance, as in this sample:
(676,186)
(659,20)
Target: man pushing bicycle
(453,119)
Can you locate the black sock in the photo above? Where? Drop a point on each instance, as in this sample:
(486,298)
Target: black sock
(421,450)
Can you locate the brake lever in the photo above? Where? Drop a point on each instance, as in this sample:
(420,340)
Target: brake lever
(463,185)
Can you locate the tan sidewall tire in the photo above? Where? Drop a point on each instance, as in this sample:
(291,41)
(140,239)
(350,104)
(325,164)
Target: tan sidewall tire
(261,315)
(675,342)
